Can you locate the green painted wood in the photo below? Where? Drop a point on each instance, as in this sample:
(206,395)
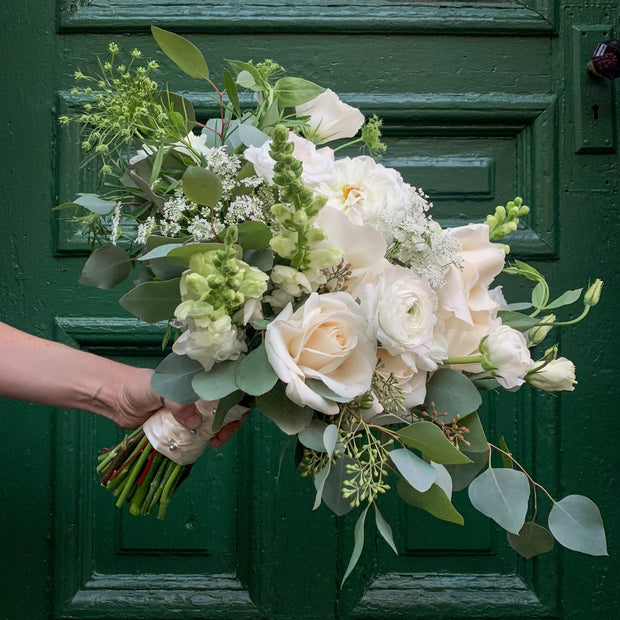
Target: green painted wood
(490,99)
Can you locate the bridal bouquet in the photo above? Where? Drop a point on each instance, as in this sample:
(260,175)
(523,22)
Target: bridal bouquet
(317,290)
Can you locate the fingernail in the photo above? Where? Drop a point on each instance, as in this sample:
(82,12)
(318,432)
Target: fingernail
(193,421)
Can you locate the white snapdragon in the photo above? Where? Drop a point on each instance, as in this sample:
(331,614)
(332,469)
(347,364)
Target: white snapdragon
(329,118)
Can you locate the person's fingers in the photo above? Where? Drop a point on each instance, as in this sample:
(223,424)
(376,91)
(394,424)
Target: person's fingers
(187,415)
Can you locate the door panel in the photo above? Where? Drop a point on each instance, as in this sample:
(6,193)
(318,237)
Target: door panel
(481,101)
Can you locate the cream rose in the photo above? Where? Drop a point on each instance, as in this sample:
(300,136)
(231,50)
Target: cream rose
(505,349)
(467,310)
(326,340)
(330,118)
(412,383)
(555,376)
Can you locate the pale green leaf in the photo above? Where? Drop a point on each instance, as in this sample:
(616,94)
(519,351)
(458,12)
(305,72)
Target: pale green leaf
(153,301)
(434,501)
(172,379)
(431,441)
(223,407)
(322,390)
(254,235)
(93,203)
(255,374)
(217,382)
(330,439)
(506,460)
(231,91)
(183,53)
(383,527)
(475,437)
(319,483)
(416,471)
(501,495)
(160,251)
(289,417)
(463,474)
(176,104)
(358,546)
(576,524)
(292,91)
(332,491)
(201,186)
(565,299)
(252,136)
(518,321)
(312,436)
(443,479)
(538,295)
(452,392)
(261,259)
(533,539)
(106,267)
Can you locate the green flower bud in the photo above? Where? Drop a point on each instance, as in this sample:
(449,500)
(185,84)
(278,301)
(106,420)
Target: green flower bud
(300,218)
(315,235)
(283,246)
(539,332)
(593,294)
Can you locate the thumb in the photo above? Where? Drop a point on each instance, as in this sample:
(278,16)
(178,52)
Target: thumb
(187,415)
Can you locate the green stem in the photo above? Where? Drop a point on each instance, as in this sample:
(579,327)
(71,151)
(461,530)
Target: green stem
(154,485)
(579,318)
(468,359)
(344,146)
(138,499)
(167,492)
(134,473)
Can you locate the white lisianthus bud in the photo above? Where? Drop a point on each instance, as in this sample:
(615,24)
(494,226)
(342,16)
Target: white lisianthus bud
(539,332)
(557,375)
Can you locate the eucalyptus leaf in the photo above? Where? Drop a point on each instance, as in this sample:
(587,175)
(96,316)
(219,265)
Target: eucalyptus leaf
(289,417)
(217,382)
(443,479)
(97,205)
(159,251)
(255,374)
(231,91)
(254,235)
(106,267)
(183,254)
(183,53)
(252,136)
(416,471)
(452,392)
(319,483)
(518,321)
(261,259)
(567,298)
(434,501)
(334,484)
(292,91)
(575,522)
(172,379)
(330,439)
(532,540)
(322,390)
(358,546)
(312,436)
(502,495)
(383,527)
(163,270)
(177,104)
(506,460)
(223,407)
(153,301)
(462,475)
(431,441)
(475,438)
(201,186)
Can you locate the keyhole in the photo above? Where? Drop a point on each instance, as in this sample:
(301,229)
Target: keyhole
(595,109)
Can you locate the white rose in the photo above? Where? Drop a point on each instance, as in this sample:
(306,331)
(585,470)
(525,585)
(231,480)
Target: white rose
(557,375)
(402,306)
(317,163)
(330,118)
(467,309)
(412,383)
(325,340)
(506,350)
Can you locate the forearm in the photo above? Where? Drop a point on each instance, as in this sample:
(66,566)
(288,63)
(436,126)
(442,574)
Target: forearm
(51,373)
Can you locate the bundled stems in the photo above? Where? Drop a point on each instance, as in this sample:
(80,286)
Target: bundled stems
(139,475)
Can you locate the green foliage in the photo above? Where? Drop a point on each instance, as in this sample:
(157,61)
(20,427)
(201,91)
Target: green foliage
(358,545)
(183,53)
(255,375)
(532,540)
(153,301)
(384,529)
(289,417)
(429,439)
(416,471)
(92,203)
(224,405)
(254,235)
(452,392)
(172,378)
(106,267)
(434,501)
(463,474)
(202,186)
(576,523)
(292,91)
(502,495)
(217,382)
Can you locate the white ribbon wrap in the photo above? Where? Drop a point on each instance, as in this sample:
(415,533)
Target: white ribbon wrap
(180,444)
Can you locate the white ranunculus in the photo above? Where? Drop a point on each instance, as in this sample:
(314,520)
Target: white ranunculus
(467,310)
(506,350)
(363,247)
(402,307)
(317,163)
(555,376)
(367,192)
(330,118)
(326,340)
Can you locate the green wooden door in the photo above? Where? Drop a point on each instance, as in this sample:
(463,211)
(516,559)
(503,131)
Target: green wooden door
(481,101)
